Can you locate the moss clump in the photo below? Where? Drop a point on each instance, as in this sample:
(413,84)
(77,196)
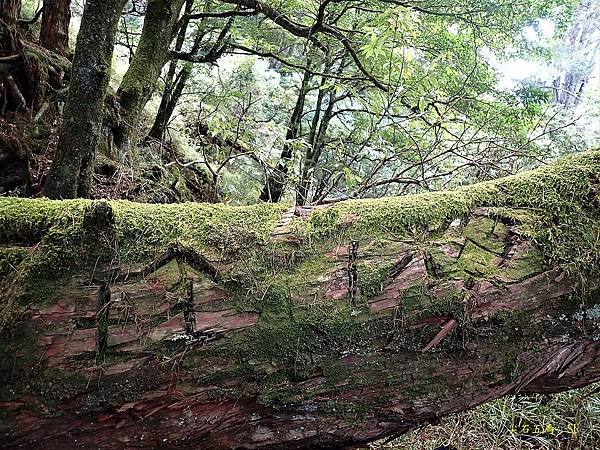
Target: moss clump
(562,193)
(28,220)
(10,258)
(144,230)
(372,276)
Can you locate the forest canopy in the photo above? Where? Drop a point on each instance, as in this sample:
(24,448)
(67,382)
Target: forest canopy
(245,101)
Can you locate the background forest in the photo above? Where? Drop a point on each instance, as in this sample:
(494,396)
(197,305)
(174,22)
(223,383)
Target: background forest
(305,102)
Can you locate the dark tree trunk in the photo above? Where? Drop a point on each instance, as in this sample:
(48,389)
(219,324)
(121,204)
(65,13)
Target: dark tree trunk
(56,18)
(276,180)
(9,15)
(174,82)
(144,70)
(71,171)
(10,10)
(313,153)
(193,326)
(168,103)
(318,133)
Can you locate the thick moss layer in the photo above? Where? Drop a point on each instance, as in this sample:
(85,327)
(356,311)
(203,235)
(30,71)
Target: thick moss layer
(559,202)
(557,205)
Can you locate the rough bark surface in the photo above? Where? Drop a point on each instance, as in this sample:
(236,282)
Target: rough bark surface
(71,171)
(10,10)
(204,326)
(144,70)
(55,25)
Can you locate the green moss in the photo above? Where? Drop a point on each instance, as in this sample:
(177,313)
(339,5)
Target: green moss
(10,258)
(28,220)
(525,265)
(561,193)
(476,261)
(486,233)
(144,230)
(372,276)
(555,204)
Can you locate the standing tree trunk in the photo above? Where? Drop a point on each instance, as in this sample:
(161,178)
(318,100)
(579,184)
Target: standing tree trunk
(71,171)
(169,100)
(10,10)
(9,15)
(55,25)
(174,81)
(144,70)
(316,144)
(276,180)
(193,326)
(578,51)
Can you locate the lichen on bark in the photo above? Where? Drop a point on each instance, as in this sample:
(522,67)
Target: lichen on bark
(72,167)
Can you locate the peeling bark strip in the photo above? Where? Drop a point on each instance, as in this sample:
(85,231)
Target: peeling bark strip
(205,326)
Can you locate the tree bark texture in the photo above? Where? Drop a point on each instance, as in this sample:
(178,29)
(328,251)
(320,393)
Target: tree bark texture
(9,16)
(144,70)
(206,326)
(56,18)
(10,10)
(71,171)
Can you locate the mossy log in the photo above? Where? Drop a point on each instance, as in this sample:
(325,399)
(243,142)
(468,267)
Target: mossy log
(192,326)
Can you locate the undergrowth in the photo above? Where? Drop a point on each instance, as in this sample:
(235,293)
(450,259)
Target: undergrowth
(569,420)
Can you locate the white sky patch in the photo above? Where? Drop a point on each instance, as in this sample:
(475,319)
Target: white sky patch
(543,29)
(516,70)
(513,71)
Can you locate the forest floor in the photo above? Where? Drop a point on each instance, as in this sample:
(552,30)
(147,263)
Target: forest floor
(566,421)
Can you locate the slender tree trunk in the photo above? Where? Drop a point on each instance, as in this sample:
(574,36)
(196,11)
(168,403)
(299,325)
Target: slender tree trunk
(71,171)
(192,326)
(174,82)
(56,18)
(275,181)
(150,57)
(318,132)
(313,153)
(168,103)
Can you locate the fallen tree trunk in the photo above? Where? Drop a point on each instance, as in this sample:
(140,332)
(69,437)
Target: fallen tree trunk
(205,326)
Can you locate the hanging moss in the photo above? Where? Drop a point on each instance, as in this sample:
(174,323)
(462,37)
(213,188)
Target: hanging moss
(10,258)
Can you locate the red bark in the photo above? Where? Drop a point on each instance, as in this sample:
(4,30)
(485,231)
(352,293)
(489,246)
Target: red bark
(10,10)
(277,341)
(55,25)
